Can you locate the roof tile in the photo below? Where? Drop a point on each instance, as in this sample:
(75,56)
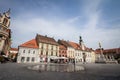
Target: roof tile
(30,44)
(45,39)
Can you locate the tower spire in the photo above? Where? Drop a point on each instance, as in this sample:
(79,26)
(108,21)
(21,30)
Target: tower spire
(8,12)
(81,43)
(80,40)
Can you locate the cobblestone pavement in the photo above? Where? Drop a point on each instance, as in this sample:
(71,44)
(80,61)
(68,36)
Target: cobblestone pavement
(14,71)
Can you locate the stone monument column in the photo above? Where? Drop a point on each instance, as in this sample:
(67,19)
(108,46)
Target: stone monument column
(102,58)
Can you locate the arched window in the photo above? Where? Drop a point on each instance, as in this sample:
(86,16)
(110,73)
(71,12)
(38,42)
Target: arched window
(5,21)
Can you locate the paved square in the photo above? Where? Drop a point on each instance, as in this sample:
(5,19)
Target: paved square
(14,71)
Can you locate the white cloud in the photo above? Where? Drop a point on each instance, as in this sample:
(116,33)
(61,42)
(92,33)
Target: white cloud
(93,33)
(29,27)
(26,28)
(74,19)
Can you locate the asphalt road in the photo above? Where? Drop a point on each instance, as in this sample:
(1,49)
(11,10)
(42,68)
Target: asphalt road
(14,71)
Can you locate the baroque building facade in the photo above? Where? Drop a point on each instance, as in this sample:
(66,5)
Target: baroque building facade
(69,50)
(63,54)
(48,48)
(78,53)
(5,33)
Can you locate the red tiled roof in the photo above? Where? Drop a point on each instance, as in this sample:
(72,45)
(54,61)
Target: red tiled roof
(65,43)
(75,45)
(14,49)
(45,39)
(114,50)
(97,51)
(30,44)
(62,47)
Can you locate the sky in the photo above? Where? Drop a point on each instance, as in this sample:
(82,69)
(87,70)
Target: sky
(95,20)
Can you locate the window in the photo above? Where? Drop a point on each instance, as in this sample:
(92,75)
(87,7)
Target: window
(55,47)
(52,53)
(46,53)
(41,46)
(33,52)
(47,46)
(29,51)
(33,59)
(52,47)
(28,59)
(23,51)
(41,52)
(56,53)
(22,59)
(90,55)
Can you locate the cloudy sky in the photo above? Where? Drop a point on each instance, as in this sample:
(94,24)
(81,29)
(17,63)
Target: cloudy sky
(95,20)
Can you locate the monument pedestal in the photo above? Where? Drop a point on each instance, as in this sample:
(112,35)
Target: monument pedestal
(107,61)
(112,62)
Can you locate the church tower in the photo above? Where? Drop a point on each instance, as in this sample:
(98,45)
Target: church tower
(5,33)
(81,43)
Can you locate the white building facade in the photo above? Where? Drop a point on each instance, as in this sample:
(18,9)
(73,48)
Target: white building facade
(82,54)
(28,52)
(28,55)
(78,56)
